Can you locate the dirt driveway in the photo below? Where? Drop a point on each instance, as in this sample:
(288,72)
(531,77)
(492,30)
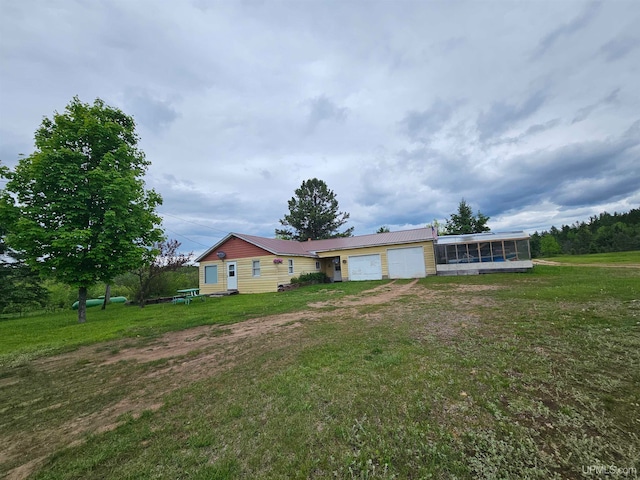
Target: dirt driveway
(184,357)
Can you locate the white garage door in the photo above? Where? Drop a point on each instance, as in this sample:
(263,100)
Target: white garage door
(406,262)
(365,267)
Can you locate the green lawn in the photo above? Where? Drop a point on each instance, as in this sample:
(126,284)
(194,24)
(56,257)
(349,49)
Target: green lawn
(497,376)
(611,258)
(29,337)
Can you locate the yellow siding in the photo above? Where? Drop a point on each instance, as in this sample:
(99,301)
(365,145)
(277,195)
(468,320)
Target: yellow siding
(212,288)
(266,282)
(271,275)
(429,257)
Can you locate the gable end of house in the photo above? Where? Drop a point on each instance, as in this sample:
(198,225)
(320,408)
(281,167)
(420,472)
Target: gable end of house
(233,248)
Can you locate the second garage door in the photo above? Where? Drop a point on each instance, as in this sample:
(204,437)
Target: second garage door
(406,262)
(365,267)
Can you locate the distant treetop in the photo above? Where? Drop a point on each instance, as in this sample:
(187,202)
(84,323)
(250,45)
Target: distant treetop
(464,222)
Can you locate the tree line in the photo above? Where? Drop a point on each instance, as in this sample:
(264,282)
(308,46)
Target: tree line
(604,233)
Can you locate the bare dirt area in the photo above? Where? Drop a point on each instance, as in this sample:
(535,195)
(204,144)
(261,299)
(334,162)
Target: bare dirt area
(183,357)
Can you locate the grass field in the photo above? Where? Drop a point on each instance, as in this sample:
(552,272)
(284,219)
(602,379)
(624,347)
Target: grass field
(620,258)
(497,376)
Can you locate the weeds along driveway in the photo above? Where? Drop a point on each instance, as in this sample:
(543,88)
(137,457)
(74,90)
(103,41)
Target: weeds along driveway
(95,388)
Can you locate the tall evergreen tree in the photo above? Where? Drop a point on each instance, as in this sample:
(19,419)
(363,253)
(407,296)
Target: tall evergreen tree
(313,214)
(84,213)
(464,221)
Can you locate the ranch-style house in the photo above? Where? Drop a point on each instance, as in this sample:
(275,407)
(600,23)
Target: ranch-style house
(251,264)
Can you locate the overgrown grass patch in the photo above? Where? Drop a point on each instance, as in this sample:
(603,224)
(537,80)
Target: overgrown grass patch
(498,376)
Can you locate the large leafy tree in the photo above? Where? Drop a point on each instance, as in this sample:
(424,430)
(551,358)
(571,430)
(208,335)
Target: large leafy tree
(314,214)
(464,221)
(84,213)
(549,246)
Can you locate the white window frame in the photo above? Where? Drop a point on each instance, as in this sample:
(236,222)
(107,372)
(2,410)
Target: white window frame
(317,264)
(290,266)
(255,270)
(208,277)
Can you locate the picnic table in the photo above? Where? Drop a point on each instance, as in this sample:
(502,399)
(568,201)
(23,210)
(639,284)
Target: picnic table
(186,295)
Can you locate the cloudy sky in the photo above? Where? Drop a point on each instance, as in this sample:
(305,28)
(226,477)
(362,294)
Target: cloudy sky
(530,111)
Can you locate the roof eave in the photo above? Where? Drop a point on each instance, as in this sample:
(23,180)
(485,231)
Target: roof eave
(374,245)
(256,244)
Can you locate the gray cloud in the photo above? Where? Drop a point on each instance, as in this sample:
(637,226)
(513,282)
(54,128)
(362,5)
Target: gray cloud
(565,175)
(12,147)
(150,112)
(575,175)
(531,130)
(589,191)
(584,112)
(421,125)
(619,47)
(402,108)
(501,116)
(542,127)
(567,29)
(323,109)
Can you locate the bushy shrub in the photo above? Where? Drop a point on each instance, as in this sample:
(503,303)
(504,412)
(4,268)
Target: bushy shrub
(163,285)
(60,295)
(312,278)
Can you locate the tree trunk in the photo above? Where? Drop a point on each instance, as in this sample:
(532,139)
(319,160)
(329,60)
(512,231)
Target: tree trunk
(107,296)
(142,294)
(82,304)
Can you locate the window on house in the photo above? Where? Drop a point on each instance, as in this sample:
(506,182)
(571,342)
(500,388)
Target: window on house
(211,274)
(290,262)
(522,247)
(317,265)
(497,251)
(510,250)
(452,256)
(256,268)
(466,254)
(485,252)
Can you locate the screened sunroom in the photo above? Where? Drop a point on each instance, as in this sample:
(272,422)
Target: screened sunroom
(483,253)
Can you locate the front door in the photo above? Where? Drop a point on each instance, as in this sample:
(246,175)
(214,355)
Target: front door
(337,270)
(232,278)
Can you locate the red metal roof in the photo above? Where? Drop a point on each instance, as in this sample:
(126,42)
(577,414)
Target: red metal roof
(277,246)
(310,248)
